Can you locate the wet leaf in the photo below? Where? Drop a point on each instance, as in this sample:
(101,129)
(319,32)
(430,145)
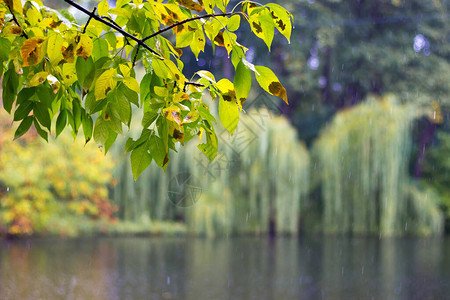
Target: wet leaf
(282,19)
(242,83)
(270,83)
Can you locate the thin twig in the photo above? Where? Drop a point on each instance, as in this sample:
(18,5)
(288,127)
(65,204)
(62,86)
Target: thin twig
(15,20)
(89,20)
(185,21)
(110,20)
(112,25)
(135,55)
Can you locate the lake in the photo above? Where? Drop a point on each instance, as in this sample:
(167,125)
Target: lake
(234,268)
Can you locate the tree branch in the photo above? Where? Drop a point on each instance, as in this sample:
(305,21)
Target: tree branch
(112,25)
(185,21)
(89,20)
(15,20)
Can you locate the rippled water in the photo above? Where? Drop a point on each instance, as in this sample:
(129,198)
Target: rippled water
(237,268)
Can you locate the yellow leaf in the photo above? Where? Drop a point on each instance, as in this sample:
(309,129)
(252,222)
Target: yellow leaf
(31,51)
(38,78)
(132,84)
(125,69)
(84,47)
(54,48)
(69,73)
(192,4)
(15,5)
(103,8)
(270,83)
(12,29)
(104,84)
(173,113)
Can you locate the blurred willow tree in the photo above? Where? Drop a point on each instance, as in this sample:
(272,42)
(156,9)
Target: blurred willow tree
(83,75)
(343,50)
(55,188)
(362,161)
(256,184)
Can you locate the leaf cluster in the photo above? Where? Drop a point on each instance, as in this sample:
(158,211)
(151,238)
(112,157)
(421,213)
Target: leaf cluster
(58,73)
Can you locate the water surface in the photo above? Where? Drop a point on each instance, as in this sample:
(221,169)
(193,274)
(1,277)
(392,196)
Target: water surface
(235,268)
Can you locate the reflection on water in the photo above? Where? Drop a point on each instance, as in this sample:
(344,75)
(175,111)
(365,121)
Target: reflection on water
(238,268)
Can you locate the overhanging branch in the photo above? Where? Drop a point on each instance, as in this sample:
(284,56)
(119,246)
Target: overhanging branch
(112,25)
(185,21)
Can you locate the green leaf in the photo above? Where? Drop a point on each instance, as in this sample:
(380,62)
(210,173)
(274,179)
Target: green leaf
(270,83)
(211,146)
(85,71)
(229,114)
(26,94)
(111,38)
(206,114)
(132,96)
(242,82)
(5,46)
(10,86)
(55,42)
(42,114)
(140,160)
(23,110)
(45,94)
(145,86)
(149,118)
(112,136)
(101,49)
(61,122)
(42,133)
(157,150)
(77,111)
(132,144)
(122,107)
(23,127)
(101,131)
(88,125)
(234,23)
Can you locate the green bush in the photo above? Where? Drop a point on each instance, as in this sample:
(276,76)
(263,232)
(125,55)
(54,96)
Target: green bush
(44,184)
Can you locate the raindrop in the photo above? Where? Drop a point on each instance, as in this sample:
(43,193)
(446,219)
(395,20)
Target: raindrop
(362,270)
(312,108)
(7,189)
(168,280)
(406,226)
